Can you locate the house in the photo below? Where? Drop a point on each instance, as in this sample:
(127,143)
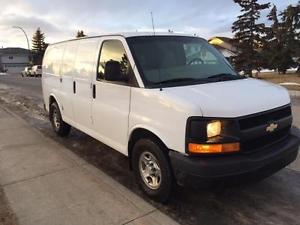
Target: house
(13,60)
(225,45)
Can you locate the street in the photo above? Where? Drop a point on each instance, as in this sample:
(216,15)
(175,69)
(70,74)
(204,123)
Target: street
(275,200)
(28,84)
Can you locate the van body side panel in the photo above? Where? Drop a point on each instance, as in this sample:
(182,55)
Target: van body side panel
(51,74)
(84,71)
(161,114)
(111,108)
(67,73)
(46,92)
(110,114)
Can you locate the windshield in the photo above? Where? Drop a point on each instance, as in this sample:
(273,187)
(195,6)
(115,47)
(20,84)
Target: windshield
(174,60)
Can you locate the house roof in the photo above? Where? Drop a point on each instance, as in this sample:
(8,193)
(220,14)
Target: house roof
(224,39)
(4,51)
(224,43)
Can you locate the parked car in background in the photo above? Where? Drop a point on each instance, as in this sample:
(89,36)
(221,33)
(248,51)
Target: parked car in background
(172,104)
(26,72)
(36,71)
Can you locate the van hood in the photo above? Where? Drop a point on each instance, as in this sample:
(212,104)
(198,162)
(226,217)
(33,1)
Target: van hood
(232,98)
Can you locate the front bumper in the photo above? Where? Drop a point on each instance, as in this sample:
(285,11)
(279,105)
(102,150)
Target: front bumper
(195,170)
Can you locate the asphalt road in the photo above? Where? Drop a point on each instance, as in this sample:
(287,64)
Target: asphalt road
(30,85)
(275,200)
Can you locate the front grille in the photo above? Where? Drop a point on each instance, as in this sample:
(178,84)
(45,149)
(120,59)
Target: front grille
(253,128)
(263,141)
(265,117)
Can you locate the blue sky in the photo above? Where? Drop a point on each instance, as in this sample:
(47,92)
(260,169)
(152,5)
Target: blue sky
(60,19)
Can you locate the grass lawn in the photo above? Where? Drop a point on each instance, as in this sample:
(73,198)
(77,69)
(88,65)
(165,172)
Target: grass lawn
(282,78)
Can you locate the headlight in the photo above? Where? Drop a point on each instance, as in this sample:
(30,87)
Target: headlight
(209,135)
(213,129)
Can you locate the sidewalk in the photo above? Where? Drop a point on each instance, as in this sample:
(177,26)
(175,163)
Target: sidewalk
(47,184)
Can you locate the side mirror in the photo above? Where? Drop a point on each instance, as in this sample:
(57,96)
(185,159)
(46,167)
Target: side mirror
(112,71)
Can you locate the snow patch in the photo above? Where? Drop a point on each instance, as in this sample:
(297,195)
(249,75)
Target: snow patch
(4,87)
(289,84)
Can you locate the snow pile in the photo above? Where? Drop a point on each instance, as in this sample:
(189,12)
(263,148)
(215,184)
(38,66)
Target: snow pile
(28,104)
(4,87)
(289,84)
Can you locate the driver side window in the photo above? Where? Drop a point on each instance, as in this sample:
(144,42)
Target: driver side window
(113,64)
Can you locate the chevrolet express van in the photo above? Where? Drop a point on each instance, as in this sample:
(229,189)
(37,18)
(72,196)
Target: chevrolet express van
(171,103)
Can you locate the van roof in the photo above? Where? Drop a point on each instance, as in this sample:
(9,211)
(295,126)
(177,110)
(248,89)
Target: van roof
(132,34)
(137,34)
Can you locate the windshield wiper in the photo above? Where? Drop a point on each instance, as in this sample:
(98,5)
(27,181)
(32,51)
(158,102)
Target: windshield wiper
(176,80)
(225,76)
(217,77)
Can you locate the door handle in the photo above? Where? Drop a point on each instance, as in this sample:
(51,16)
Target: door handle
(74,87)
(94,91)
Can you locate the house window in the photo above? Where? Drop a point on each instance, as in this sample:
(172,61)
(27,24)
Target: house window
(11,57)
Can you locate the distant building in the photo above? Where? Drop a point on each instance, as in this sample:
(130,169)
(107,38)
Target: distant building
(13,60)
(225,45)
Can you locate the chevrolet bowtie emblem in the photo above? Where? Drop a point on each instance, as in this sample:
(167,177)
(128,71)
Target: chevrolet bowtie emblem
(272,127)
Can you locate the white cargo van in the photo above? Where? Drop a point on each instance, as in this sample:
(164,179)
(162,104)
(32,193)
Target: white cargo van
(172,104)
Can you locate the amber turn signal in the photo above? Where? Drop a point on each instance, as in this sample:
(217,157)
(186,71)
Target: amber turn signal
(213,148)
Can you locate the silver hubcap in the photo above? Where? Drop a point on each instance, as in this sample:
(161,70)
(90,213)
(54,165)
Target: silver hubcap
(56,120)
(150,170)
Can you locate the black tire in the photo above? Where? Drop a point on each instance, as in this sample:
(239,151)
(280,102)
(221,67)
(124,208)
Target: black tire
(59,126)
(141,148)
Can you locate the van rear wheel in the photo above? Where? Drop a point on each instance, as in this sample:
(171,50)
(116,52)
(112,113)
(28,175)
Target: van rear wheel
(152,169)
(59,126)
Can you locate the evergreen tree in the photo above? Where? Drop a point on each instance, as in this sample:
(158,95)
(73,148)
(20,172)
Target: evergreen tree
(249,36)
(38,41)
(283,39)
(291,25)
(38,46)
(275,48)
(80,34)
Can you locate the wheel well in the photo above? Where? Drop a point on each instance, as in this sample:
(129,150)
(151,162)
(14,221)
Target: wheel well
(140,133)
(51,100)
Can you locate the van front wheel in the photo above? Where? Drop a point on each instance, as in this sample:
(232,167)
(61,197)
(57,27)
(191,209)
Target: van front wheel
(152,169)
(59,126)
